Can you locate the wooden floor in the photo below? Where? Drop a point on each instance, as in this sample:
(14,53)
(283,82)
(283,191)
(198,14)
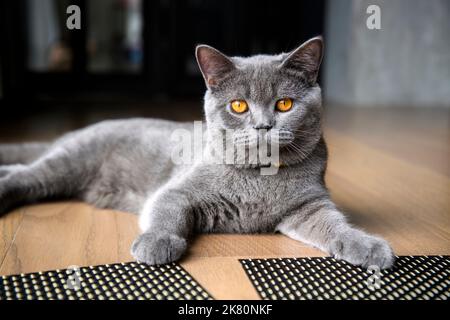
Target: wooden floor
(389,170)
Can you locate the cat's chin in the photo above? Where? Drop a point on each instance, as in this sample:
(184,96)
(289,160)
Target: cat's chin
(252,165)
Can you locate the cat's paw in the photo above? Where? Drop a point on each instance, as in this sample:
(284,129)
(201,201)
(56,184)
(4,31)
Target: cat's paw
(156,248)
(362,249)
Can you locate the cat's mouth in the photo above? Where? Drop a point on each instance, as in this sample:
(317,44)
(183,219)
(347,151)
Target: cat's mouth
(258,138)
(260,148)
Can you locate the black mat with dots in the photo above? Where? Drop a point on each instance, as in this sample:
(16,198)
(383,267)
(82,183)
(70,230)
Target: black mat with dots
(128,281)
(412,277)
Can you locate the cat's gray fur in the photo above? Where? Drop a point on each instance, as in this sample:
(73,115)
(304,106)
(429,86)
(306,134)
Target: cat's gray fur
(126,165)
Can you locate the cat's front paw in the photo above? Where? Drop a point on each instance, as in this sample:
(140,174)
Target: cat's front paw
(154,248)
(362,249)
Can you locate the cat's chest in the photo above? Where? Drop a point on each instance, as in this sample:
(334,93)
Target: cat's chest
(259,190)
(245,204)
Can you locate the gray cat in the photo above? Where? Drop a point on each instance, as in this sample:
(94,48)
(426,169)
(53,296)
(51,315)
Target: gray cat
(126,165)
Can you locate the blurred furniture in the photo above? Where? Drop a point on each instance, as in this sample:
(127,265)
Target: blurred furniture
(134,48)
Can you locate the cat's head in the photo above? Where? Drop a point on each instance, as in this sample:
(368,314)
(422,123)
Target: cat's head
(274,94)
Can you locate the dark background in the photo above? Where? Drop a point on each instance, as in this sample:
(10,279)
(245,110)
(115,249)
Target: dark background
(161,65)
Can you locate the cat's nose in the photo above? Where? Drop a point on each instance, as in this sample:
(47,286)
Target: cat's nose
(263,126)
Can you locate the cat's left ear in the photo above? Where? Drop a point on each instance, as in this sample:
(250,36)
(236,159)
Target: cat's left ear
(214,65)
(305,60)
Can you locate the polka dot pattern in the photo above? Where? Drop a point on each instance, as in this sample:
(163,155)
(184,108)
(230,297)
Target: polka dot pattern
(125,281)
(412,277)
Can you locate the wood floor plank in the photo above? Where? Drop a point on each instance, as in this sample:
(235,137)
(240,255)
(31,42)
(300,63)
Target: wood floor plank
(223,278)
(412,186)
(9,226)
(250,246)
(58,235)
(418,136)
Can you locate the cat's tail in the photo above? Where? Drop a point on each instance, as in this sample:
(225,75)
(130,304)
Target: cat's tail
(22,153)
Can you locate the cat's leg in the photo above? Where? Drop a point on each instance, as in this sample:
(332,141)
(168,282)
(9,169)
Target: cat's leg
(55,175)
(167,222)
(321,225)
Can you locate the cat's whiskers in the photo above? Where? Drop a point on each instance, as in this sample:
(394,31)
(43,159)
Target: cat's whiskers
(302,131)
(298,150)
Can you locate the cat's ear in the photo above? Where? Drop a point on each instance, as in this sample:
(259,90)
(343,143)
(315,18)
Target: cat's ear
(214,65)
(306,59)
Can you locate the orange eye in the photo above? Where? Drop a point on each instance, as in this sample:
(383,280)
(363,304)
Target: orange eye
(284,105)
(239,106)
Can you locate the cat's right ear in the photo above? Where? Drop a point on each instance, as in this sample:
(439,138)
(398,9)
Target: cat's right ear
(214,65)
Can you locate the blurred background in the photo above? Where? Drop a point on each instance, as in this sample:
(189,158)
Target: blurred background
(136,58)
